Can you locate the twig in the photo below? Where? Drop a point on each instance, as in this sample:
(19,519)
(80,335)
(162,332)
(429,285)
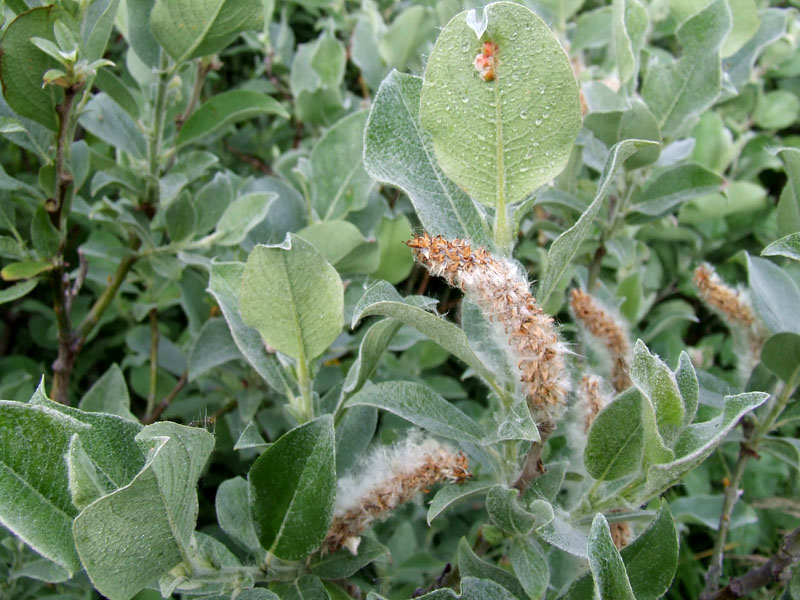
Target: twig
(151,395)
(164,404)
(532,466)
(775,570)
(203,69)
(254,162)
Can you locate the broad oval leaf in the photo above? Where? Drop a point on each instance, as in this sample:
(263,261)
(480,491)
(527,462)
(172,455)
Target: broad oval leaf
(292,488)
(500,138)
(422,406)
(655,380)
(652,558)
(225,109)
(293,297)
(613,451)
(608,570)
(781,355)
(233,512)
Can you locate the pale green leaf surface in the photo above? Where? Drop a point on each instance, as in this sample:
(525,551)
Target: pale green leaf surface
(566,245)
(233,512)
(292,488)
(775,295)
(420,405)
(629,26)
(505,511)
(396,259)
(781,355)
(105,118)
(674,187)
(652,558)
(559,532)
(611,451)
(353,435)
(109,394)
(788,246)
(17,290)
(293,297)
(739,66)
(383,299)
(450,494)
(501,139)
(399,152)
(530,566)
(24,269)
(608,570)
(343,563)
(686,378)
(84,485)
(223,285)
(242,215)
(214,346)
(372,346)
(745,24)
(470,565)
(340,182)
(516,424)
(789,204)
(333,239)
(678,91)
(226,109)
(657,383)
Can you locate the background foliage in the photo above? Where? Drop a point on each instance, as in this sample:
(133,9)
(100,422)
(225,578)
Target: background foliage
(209,314)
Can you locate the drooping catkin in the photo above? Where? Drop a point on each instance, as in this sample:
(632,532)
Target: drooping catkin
(734,308)
(388,478)
(590,394)
(501,292)
(609,330)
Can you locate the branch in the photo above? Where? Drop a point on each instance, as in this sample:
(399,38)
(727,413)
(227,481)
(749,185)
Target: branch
(533,467)
(164,404)
(775,570)
(151,395)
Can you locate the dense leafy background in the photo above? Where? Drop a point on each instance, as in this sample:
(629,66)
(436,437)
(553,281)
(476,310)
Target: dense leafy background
(202,217)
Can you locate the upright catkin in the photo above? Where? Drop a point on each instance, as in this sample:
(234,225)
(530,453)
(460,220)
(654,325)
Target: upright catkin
(499,289)
(385,480)
(590,394)
(607,329)
(734,308)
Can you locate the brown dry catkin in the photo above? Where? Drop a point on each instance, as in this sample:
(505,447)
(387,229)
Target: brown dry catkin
(501,292)
(733,308)
(387,479)
(591,395)
(601,324)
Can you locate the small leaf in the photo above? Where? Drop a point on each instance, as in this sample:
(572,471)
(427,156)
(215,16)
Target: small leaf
(242,215)
(608,570)
(214,346)
(372,346)
(674,187)
(294,297)
(17,291)
(396,260)
(450,494)
(530,566)
(775,295)
(292,487)
(781,355)
(343,563)
(469,565)
(655,380)
(652,558)
(226,109)
(25,269)
(788,246)
(613,451)
(422,406)
(505,511)
(84,484)
(109,394)
(233,512)
(108,121)
(500,137)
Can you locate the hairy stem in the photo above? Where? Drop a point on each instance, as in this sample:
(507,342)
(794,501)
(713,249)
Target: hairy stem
(532,466)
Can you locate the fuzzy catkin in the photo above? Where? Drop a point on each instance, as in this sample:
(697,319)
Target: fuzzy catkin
(591,395)
(387,479)
(501,292)
(734,309)
(601,324)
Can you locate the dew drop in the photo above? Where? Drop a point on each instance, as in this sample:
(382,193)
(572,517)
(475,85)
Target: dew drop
(524,169)
(538,122)
(465,99)
(541,90)
(523,113)
(447,107)
(465,46)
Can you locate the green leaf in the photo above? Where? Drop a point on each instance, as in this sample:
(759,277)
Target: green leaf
(292,488)
(353,435)
(45,237)
(96,28)
(674,187)
(226,109)
(698,441)
(678,91)
(450,494)
(24,269)
(776,109)
(652,558)
(739,66)
(788,246)
(223,285)
(566,245)
(505,511)
(383,299)
(629,28)
(23,66)
(340,183)
(233,512)
(469,565)
(422,406)
(608,570)
(781,355)
(35,502)
(108,121)
(789,203)
(775,295)
(686,377)
(17,291)
(140,34)
(396,260)
(84,484)
(214,346)
(706,510)
(241,216)
(190,28)
(372,346)
(181,218)
(499,140)
(397,151)
(343,563)
(635,122)
(530,566)
(148,522)
(335,240)
(109,394)
(612,451)
(307,587)
(293,297)
(746,22)
(657,383)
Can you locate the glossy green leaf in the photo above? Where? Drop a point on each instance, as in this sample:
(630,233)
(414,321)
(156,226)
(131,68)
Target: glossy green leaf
(608,570)
(292,488)
(565,247)
(657,383)
(23,66)
(420,405)
(293,297)
(678,91)
(149,521)
(340,183)
(383,299)
(500,139)
(781,355)
(191,28)
(226,109)
(397,151)
(17,290)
